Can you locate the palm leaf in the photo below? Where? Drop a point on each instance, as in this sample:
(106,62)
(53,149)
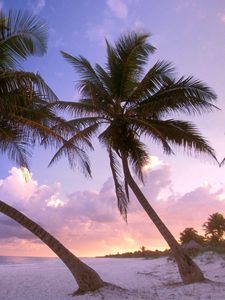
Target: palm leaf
(21,35)
(71,149)
(76,156)
(152,81)
(20,82)
(184,95)
(15,144)
(122,197)
(146,127)
(185,135)
(138,157)
(76,108)
(126,60)
(90,84)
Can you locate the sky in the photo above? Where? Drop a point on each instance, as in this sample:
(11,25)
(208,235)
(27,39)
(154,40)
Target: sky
(184,190)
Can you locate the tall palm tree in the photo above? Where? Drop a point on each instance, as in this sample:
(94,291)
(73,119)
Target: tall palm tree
(122,104)
(215,228)
(26,118)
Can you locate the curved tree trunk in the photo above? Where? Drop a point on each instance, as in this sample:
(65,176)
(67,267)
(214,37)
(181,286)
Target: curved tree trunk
(86,278)
(189,271)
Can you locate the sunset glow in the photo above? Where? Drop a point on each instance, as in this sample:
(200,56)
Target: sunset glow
(82,212)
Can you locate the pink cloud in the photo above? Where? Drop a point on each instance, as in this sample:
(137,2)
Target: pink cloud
(222,18)
(89,223)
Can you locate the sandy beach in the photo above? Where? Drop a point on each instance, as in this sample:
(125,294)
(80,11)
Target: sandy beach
(137,279)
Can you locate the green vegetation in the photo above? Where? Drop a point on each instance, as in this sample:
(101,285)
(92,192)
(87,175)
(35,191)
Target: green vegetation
(141,254)
(214,229)
(190,234)
(213,241)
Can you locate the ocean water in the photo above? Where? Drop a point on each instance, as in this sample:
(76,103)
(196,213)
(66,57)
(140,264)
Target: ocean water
(18,260)
(50,261)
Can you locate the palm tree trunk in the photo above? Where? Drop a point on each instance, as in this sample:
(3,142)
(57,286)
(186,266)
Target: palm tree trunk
(189,271)
(86,278)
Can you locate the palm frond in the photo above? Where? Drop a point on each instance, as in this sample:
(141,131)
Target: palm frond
(185,135)
(152,81)
(72,148)
(21,35)
(15,144)
(126,60)
(27,84)
(138,157)
(76,156)
(106,81)
(77,108)
(184,95)
(38,132)
(122,197)
(133,51)
(90,84)
(68,128)
(146,127)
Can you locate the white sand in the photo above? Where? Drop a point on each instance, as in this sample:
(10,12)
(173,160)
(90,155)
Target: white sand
(138,278)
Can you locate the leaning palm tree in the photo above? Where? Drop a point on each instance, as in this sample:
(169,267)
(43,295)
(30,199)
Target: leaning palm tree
(26,119)
(122,104)
(86,278)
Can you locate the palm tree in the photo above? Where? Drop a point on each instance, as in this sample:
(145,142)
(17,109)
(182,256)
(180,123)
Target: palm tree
(26,118)
(190,234)
(215,228)
(121,103)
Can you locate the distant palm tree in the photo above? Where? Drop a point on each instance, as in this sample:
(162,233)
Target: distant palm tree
(215,228)
(190,234)
(26,118)
(126,103)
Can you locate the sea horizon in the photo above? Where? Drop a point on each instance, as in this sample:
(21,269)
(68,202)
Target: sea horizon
(14,260)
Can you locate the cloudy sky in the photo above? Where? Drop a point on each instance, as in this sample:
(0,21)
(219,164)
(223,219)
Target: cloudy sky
(82,212)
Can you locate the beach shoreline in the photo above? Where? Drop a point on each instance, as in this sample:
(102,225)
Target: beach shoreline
(136,278)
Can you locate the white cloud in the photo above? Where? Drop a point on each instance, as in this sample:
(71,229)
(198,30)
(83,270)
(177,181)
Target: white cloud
(101,32)
(97,33)
(138,26)
(118,8)
(39,6)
